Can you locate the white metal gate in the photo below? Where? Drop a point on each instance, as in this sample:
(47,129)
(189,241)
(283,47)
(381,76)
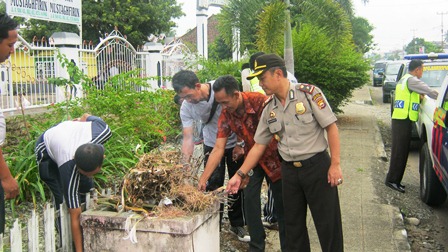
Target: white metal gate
(112,56)
(24,76)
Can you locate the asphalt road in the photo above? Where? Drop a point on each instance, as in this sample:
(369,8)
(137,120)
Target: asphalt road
(431,234)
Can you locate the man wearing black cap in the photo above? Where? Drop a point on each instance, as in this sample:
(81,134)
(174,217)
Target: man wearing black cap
(298,115)
(68,155)
(269,212)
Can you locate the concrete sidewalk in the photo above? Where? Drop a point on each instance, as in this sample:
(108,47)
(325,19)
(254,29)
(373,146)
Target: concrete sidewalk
(368,225)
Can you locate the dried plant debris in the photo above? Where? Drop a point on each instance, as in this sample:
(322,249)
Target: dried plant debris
(159,185)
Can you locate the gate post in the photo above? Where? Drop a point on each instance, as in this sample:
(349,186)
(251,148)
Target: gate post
(68,44)
(153,63)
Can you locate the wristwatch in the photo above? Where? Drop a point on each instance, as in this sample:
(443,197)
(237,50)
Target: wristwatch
(241,144)
(242,175)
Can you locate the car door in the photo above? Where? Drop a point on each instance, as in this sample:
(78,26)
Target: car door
(400,72)
(440,141)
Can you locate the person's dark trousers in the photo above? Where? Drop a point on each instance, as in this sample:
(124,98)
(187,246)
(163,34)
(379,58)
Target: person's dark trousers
(252,206)
(401,139)
(269,208)
(308,186)
(216,180)
(50,174)
(2,210)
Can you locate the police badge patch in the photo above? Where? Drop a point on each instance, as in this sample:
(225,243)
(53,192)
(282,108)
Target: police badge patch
(319,100)
(321,104)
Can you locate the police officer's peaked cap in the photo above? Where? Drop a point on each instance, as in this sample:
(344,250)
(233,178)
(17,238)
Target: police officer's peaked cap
(264,63)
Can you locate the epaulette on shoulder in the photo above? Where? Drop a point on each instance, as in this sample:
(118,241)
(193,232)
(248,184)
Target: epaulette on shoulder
(268,100)
(307,88)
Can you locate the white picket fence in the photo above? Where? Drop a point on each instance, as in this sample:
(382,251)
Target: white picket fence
(32,242)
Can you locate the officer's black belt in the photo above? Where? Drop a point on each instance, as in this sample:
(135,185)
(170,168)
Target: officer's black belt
(307,162)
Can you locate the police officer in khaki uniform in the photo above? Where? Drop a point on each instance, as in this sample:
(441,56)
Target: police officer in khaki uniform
(297,116)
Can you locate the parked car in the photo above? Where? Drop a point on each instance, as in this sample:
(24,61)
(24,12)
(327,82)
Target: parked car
(390,77)
(378,72)
(433,162)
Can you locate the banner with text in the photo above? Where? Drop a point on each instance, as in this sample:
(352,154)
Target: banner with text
(61,11)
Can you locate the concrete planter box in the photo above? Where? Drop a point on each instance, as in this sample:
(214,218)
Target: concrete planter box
(104,231)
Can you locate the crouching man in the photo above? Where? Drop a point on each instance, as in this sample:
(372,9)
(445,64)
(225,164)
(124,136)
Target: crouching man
(68,155)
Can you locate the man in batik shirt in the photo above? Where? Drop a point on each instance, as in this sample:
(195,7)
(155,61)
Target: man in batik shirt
(241,113)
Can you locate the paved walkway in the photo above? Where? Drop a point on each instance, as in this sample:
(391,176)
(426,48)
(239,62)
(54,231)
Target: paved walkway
(368,225)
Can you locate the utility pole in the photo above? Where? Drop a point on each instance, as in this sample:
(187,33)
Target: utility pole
(442,13)
(288,49)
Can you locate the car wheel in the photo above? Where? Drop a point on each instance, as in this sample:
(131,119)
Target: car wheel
(386,98)
(431,190)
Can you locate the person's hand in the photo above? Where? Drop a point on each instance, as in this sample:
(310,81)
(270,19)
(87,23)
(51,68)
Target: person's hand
(234,184)
(83,118)
(10,187)
(335,175)
(244,182)
(202,183)
(237,153)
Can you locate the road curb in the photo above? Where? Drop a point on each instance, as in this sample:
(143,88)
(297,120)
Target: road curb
(400,235)
(381,153)
(380,150)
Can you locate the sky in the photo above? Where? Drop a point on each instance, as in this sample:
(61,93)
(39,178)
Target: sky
(395,22)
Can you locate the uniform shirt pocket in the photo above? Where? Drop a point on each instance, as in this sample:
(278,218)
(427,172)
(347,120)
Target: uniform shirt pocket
(306,123)
(275,127)
(303,119)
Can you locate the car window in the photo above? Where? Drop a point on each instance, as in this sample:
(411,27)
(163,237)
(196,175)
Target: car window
(379,66)
(434,75)
(393,69)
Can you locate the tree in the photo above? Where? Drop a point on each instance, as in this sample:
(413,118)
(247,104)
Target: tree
(270,28)
(219,50)
(134,18)
(242,15)
(361,34)
(414,46)
(360,27)
(328,16)
(394,55)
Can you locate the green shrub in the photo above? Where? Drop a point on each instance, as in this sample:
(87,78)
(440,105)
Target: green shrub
(335,68)
(22,133)
(139,120)
(211,69)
